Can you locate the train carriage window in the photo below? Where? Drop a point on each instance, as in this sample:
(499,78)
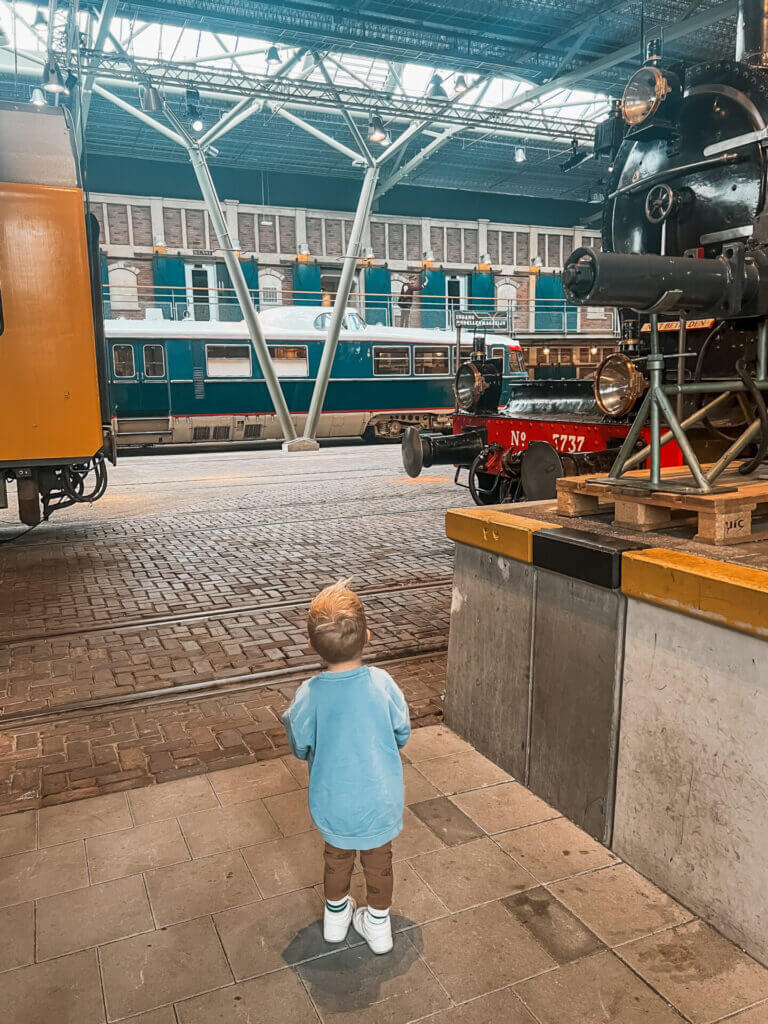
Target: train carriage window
(122,358)
(391,361)
(290,360)
(516,361)
(228,360)
(154,361)
(429,362)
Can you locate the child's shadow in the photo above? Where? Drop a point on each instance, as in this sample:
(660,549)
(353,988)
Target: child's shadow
(352,978)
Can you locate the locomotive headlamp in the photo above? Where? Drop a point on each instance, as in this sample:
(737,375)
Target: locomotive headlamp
(645,92)
(478,385)
(469,387)
(618,385)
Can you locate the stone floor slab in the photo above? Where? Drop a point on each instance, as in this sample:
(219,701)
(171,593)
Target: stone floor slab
(229,828)
(148,971)
(266,936)
(90,917)
(154,803)
(286,864)
(596,990)
(434,741)
(417,789)
(298,769)
(164,1015)
(479,950)
(552,925)
(448,823)
(252,781)
(501,1007)
(356,987)
(64,823)
(31,876)
(555,849)
(17,936)
(18,833)
(503,807)
(473,873)
(755,1015)
(457,773)
(291,812)
(415,838)
(698,971)
(618,904)
(128,853)
(64,991)
(275,999)
(185,891)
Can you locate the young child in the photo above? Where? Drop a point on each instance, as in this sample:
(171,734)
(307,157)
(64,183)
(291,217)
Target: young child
(349,723)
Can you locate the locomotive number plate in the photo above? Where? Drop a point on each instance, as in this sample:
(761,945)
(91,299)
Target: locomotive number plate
(569,442)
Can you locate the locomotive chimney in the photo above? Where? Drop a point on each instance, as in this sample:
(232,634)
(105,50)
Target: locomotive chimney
(753,22)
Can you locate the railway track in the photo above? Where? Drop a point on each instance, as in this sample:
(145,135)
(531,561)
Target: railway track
(217,612)
(198,691)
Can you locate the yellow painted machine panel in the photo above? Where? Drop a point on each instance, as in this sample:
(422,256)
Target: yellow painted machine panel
(49,394)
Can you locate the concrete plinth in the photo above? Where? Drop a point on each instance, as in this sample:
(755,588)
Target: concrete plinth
(628,687)
(300,444)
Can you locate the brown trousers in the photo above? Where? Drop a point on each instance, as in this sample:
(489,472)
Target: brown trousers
(377,869)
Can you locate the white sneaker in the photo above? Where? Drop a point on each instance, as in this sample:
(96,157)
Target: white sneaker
(336,925)
(378,934)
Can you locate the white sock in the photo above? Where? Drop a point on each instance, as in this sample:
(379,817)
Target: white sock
(378,916)
(337,906)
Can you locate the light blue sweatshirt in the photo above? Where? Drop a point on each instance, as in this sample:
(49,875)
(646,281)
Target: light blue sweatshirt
(350,726)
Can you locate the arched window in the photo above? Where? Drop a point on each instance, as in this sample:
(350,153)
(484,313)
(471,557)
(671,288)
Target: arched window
(506,297)
(270,289)
(123,287)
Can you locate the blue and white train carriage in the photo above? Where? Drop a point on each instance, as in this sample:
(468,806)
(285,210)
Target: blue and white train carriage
(179,382)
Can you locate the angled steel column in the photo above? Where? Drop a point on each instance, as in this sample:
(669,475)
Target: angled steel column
(102,33)
(211,199)
(340,305)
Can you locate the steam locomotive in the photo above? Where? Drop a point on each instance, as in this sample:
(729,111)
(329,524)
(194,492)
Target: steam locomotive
(685,259)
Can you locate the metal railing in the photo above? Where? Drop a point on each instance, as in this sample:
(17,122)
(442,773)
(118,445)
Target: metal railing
(540,316)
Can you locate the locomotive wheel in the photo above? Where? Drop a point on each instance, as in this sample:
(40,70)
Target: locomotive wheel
(484,487)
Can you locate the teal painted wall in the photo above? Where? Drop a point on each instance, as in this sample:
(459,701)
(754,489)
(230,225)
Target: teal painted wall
(176,181)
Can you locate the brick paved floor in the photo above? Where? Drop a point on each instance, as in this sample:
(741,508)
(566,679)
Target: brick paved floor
(194,569)
(198,901)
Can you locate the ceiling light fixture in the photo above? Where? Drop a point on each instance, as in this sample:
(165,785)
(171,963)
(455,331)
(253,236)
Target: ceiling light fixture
(37,97)
(4,40)
(376,130)
(150,98)
(273,55)
(193,110)
(520,155)
(436,90)
(460,86)
(52,80)
(578,156)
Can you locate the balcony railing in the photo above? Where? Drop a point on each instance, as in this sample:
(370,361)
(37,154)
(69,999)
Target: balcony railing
(526,318)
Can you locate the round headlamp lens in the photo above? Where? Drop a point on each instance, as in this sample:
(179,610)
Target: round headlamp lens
(642,95)
(467,387)
(618,385)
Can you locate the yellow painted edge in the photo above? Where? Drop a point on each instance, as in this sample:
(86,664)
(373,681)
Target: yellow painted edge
(729,595)
(494,530)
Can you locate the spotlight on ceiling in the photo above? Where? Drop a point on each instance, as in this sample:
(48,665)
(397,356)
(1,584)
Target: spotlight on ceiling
(273,55)
(39,19)
(436,90)
(520,155)
(376,130)
(578,156)
(150,98)
(52,80)
(71,82)
(460,85)
(193,110)
(4,40)
(37,97)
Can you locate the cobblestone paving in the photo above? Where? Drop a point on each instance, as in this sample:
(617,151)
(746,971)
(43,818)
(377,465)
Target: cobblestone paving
(199,901)
(194,569)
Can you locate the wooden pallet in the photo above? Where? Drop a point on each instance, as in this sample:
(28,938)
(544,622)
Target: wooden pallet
(722,518)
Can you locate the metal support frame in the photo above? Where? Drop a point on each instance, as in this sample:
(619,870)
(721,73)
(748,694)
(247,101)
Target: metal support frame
(342,297)
(656,405)
(102,34)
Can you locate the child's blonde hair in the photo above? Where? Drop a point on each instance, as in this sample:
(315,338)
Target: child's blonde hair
(336,623)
